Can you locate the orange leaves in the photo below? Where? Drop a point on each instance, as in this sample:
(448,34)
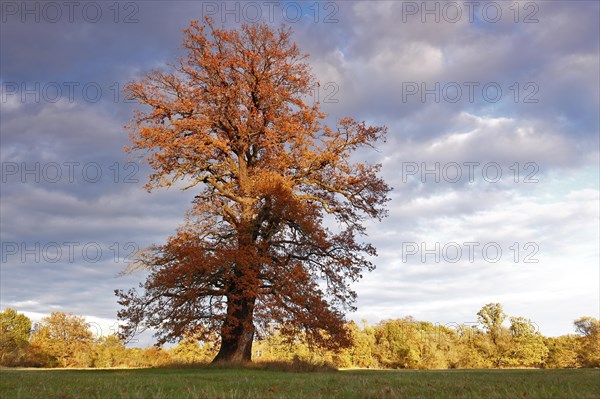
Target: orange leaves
(230,118)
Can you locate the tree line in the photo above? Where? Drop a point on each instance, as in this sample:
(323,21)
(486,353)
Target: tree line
(496,341)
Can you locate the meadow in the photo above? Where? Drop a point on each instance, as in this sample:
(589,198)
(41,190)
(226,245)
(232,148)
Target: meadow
(229,383)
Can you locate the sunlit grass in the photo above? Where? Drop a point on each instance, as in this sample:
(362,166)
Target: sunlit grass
(253,383)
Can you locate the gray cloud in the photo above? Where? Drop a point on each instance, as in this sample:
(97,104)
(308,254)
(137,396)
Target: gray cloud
(372,55)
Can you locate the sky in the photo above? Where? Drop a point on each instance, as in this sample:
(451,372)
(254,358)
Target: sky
(492,110)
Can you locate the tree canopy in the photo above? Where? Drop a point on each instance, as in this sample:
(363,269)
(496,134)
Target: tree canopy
(63,337)
(14,335)
(275,231)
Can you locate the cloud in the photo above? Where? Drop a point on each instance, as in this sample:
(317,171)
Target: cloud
(546,260)
(543,125)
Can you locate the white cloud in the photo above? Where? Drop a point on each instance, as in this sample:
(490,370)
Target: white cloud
(369,54)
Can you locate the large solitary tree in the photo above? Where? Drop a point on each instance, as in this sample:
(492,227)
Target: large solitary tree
(275,232)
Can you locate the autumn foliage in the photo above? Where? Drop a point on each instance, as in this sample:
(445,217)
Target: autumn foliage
(65,340)
(274,236)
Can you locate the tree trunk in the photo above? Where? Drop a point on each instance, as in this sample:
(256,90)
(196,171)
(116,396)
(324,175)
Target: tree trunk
(237,333)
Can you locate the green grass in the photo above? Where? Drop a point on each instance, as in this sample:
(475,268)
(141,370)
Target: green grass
(251,383)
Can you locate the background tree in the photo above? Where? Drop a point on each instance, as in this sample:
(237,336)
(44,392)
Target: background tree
(190,351)
(408,343)
(563,351)
(527,345)
(277,347)
(589,330)
(471,348)
(395,343)
(230,118)
(110,351)
(65,339)
(491,317)
(363,346)
(14,337)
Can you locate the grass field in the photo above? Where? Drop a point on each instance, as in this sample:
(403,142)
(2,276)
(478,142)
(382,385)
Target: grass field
(248,383)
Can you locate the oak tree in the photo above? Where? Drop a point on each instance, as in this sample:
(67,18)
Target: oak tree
(589,329)
(527,347)
(14,336)
(110,351)
(275,233)
(491,317)
(64,338)
(563,351)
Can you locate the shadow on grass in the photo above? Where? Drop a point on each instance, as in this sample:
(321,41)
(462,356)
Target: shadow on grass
(296,366)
